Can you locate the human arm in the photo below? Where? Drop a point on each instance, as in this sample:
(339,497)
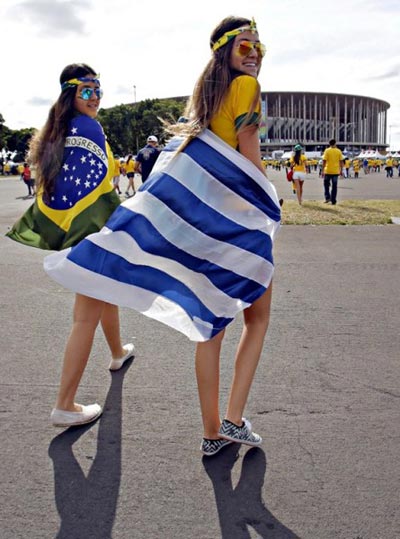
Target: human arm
(138,166)
(249,146)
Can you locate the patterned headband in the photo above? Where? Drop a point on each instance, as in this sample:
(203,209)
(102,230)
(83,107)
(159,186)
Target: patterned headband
(75,82)
(223,40)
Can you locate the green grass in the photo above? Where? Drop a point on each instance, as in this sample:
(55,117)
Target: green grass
(346,212)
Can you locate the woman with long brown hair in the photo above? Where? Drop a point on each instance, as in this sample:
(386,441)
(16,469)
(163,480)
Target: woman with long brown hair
(74,169)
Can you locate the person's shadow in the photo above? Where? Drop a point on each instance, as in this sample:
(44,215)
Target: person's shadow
(242,507)
(87,505)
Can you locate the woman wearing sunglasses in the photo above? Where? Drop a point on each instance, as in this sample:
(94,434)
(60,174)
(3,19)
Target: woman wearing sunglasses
(74,170)
(226,100)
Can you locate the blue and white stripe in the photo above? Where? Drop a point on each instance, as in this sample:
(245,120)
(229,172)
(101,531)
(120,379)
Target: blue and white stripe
(191,249)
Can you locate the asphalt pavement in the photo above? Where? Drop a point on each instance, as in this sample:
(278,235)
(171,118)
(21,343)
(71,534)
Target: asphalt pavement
(326,399)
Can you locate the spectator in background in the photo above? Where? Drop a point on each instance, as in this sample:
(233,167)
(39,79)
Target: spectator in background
(332,166)
(26,175)
(389,167)
(347,167)
(130,174)
(356,167)
(117,174)
(298,163)
(146,157)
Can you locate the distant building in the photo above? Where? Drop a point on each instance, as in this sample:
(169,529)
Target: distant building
(356,122)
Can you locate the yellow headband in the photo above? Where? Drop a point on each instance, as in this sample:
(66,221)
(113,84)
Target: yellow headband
(223,40)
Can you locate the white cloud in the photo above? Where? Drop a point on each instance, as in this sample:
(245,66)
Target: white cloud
(55,18)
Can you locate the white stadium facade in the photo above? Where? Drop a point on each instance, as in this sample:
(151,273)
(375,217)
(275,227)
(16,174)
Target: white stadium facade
(356,122)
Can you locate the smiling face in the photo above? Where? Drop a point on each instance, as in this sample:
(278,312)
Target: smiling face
(88,106)
(245,59)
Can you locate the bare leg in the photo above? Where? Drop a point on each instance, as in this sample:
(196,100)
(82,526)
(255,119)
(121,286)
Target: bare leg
(301,183)
(110,326)
(298,190)
(256,319)
(86,316)
(207,373)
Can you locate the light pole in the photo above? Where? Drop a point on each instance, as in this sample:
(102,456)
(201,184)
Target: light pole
(134,97)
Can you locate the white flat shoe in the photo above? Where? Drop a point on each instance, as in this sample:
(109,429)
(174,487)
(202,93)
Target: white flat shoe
(117,363)
(63,418)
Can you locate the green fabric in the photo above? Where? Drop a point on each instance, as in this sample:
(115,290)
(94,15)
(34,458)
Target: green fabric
(37,230)
(254,120)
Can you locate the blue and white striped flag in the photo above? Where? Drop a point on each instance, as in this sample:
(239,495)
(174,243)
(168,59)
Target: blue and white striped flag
(191,249)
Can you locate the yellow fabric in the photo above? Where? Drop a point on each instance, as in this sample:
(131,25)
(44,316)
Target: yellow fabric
(236,105)
(130,167)
(117,167)
(302,166)
(333,157)
(64,218)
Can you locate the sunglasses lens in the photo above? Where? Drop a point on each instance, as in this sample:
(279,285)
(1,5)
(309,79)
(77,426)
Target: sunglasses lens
(86,93)
(262,49)
(245,48)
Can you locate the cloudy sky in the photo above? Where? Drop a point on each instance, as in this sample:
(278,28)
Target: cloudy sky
(157,48)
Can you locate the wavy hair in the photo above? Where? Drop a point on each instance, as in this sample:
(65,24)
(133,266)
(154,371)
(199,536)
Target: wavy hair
(46,148)
(212,85)
(297,157)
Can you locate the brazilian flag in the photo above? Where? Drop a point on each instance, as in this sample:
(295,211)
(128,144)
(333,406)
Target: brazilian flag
(83,197)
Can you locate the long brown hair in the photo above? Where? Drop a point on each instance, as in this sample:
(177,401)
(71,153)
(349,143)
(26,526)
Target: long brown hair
(46,148)
(212,85)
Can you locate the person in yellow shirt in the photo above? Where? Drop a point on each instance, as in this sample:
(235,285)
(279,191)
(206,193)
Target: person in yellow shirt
(117,174)
(130,173)
(298,163)
(332,166)
(389,167)
(356,167)
(347,168)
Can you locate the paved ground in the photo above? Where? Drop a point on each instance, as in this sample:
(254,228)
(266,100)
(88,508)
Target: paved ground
(325,398)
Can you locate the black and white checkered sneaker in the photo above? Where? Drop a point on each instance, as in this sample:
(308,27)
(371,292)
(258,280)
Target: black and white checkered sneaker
(211,447)
(243,435)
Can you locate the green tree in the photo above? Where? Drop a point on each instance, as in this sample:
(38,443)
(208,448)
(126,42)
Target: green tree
(18,141)
(5,132)
(128,126)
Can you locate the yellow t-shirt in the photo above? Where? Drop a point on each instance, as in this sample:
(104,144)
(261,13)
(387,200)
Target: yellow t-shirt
(117,167)
(332,156)
(234,109)
(301,167)
(130,167)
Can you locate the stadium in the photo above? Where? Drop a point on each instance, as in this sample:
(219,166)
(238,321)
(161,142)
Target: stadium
(356,122)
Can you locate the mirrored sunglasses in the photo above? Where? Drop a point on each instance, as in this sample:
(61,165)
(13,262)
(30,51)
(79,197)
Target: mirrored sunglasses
(244,48)
(86,93)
